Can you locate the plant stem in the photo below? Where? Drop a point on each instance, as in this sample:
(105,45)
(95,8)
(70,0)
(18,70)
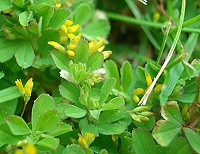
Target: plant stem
(24,108)
(142,22)
(146,95)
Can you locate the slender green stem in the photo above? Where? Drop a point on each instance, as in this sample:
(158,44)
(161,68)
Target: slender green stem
(24,108)
(142,22)
(163,43)
(146,95)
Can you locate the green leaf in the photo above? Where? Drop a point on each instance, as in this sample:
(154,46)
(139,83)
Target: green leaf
(143,142)
(73,111)
(17,125)
(7,137)
(164,132)
(96,29)
(179,146)
(103,151)
(111,129)
(146,124)
(171,112)
(82,13)
(113,104)
(95,113)
(9,94)
(48,143)
(170,82)
(8,49)
(90,129)
(95,61)
(126,76)
(73,149)
(61,60)
(47,121)
(112,71)
(126,143)
(25,55)
(25,17)
(110,116)
(61,129)
(46,13)
(193,138)
(81,53)
(5,4)
(70,91)
(58,18)
(41,105)
(38,4)
(106,89)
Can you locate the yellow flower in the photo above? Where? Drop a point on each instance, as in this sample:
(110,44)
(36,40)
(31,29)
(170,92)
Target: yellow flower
(136,99)
(70,53)
(25,90)
(96,46)
(148,79)
(20,86)
(27,149)
(56,45)
(28,88)
(156,16)
(18,151)
(106,54)
(30,149)
(68,22)
(138,91)
(86,139)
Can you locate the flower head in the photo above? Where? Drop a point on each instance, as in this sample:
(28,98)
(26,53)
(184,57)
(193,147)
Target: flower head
(25,90)
(86,139)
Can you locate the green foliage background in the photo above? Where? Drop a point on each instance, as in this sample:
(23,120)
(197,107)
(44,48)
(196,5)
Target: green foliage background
(62,111)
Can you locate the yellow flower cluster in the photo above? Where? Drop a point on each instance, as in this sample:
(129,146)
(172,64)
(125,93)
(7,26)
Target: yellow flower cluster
(66,31)
(97,47)
(27,149)
(86,139)
(137,92)
(25,90)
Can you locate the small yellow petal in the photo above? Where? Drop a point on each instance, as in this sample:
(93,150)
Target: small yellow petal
(71,36)
(30,149)
(28,87)
(64,28)
(106,54)
(100,43)
(82,141)
(18,151)
(56,45)
(101,49)
(68,23)
(136,98)
(20,86)
(148,79)
(73,28)
(138,91)
(158,88)
(70,53)
(58,5)
(71,46)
